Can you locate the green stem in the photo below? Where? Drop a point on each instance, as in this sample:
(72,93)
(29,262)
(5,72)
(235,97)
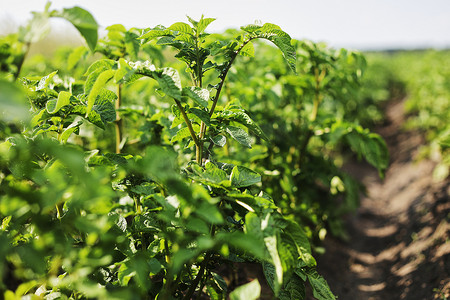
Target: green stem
(202,285)
(19,66)
(199,83)
(203,266)
(118,123)
(166,246)
(137,205)
(167,288)
(224,75)
(199,277)
(59,210)
(317,95)
(60,129)
(215,100)
(316,102)
(187,121)
(199,148)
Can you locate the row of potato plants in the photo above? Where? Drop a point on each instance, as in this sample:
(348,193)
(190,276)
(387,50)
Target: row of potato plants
(146,164)
(423,76)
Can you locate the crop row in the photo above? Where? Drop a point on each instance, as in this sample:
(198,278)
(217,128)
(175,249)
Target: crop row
(156,161)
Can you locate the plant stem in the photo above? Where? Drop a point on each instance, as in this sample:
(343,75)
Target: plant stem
(118,123)
(317,95)
(199,277)
(316,102)
(215,100)
(202,285)
(201,272)
(187,121)
(166,246)
(60,131)
(167,288)
(137,205)
(59,210)
(19,66)
(199,83)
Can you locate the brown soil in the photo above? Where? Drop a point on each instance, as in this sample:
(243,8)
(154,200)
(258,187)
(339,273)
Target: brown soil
(398,246)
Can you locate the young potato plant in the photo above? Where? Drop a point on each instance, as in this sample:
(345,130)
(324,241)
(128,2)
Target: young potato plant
(311,131)
(83,223)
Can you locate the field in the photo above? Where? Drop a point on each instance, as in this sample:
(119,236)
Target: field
(171,163)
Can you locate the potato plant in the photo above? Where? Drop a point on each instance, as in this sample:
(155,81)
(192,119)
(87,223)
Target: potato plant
(311,128)
(139,178)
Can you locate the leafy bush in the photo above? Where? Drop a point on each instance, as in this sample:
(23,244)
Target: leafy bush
(112,190)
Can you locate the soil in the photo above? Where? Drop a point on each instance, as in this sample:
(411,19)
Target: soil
(398,246)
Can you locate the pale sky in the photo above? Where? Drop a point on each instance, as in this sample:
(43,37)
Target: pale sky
(358,24)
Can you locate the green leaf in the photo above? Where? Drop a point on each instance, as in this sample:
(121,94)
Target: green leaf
(242,177)
(181,27)
(277,36)
(132,45)
(239,135)
(120,221)
(242,118)
(287,251)
(269,274)
(298,235)
(209,213)
(94,71)
(181,135)
(76,56)
(154,33)
(105,109)
(197,225)
(248,50)
(202,114)
(53,106)
(253,226)
(169,81)
(219,140)
(274,270)
(244,242)
(45,81)
(371,146)
(83,21)
(25,287)
(321,290)
(184,37)
(252,201)
(102,112)
(100,82)
(199,95)
(13,102)
(125,273)
(100,65)
(214,174)
(124,70)
(294,289)
(116,27)
(249,291)
(203,23)
(74,127)
(139,268)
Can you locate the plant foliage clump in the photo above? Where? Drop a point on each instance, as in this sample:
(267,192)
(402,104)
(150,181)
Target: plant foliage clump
(132,179)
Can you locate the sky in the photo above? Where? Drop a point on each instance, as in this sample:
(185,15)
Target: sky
(356,24)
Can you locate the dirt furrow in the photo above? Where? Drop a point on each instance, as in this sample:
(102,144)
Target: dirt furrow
(398,245)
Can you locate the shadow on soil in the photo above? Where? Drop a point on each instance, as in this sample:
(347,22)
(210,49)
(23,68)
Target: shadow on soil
(398,245)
